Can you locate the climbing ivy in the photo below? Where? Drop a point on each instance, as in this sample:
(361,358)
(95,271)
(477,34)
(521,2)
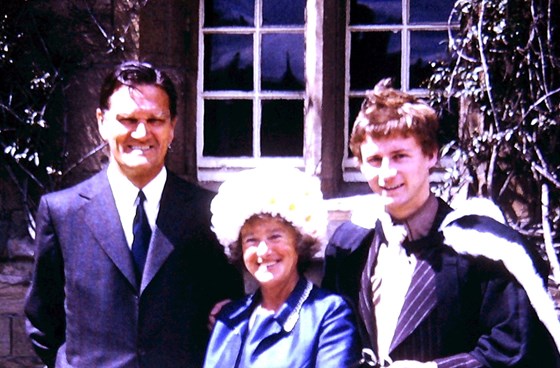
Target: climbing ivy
(43,43)
(503,74)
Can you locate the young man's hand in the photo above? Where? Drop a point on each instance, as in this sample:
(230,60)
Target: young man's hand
(214,312)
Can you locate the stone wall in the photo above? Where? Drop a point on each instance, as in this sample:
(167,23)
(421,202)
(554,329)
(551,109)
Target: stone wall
(16,263)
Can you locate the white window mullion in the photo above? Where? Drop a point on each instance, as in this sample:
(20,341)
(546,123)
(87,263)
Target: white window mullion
(257,104)
(313,103)
(218,167)
(200,85)
(405,46)
(347,41)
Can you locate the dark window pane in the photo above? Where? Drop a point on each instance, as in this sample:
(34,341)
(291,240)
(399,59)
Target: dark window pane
(282,62)
(376,12)
(426,11)
(425,47)
(282,128)
(283,12)
(353,110)
(374,56)
(228,128)
(229,13)
(228,62)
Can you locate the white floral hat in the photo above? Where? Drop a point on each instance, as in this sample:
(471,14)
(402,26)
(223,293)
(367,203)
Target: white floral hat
(274,190)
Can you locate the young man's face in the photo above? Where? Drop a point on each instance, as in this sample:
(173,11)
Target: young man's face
(139,129)
(397,169)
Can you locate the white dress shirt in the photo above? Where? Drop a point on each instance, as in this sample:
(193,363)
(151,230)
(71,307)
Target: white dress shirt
(396,268)
(126,194)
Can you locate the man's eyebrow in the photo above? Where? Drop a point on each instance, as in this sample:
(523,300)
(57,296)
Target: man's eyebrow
(162,115)
(122,115)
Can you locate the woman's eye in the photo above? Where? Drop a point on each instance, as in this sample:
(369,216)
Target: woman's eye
(276,237)
(250,242)
(127,121)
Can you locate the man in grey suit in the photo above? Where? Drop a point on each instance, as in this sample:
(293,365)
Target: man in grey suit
(127,268)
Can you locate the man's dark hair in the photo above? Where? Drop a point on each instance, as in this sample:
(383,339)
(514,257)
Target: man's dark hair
(136,73)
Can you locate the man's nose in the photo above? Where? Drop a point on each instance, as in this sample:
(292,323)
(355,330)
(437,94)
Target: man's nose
(140,131)
(386,171)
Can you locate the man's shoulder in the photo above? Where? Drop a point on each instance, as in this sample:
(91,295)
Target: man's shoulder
(349,236)
(479,230)
(89,185)
(479,220)
(182,187)
(329,298)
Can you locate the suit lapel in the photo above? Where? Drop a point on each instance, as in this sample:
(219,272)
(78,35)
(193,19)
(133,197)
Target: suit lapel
(365,298)
(101,216)
(174,205)
(421,298)
(158,252)
(419,301)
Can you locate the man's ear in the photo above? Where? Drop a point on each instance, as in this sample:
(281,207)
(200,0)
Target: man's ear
(434,157)
(173,124)
(100,123)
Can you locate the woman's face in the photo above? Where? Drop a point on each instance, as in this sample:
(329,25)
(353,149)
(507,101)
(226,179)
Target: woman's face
(269,251)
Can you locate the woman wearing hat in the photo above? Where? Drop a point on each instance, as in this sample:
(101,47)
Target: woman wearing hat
(272,222)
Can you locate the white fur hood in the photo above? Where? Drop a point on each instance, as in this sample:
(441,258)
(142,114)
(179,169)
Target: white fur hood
(478,242)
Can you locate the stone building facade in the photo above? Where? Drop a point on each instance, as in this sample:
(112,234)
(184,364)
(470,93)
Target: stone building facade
(164,32)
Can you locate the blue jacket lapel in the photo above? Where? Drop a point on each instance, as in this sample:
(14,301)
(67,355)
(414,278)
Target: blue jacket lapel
(232,332)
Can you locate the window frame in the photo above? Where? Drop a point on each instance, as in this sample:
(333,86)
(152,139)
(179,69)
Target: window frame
(217,169)
(325,98)
(351,172)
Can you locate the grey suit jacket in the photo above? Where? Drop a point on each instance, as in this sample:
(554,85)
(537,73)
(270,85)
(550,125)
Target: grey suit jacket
(85,307)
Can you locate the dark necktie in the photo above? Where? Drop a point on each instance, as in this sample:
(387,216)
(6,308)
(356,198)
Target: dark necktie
(142,234)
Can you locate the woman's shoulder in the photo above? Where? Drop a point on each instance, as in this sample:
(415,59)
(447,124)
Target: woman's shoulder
(325,308)
(236,309)
(327,299)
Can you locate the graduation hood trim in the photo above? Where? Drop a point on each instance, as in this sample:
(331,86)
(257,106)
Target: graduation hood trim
(496,242)
(508,250)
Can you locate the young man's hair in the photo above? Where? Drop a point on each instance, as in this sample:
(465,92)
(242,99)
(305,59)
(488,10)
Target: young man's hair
(388,112)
